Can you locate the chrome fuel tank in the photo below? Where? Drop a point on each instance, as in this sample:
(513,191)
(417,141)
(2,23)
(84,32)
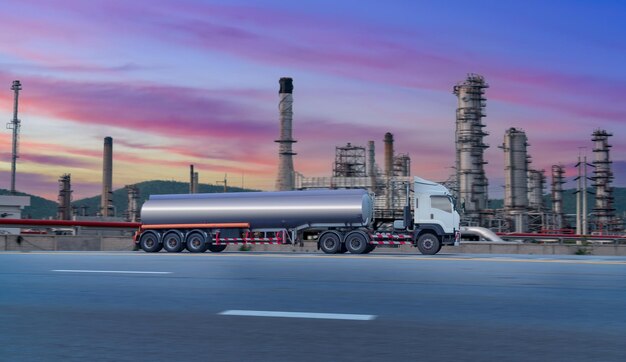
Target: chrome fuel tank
(262,210)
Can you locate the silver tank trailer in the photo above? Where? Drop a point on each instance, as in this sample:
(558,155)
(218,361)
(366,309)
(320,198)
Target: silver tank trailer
(262,210)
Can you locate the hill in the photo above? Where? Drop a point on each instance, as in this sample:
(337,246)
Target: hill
(147,188)
(43,209)
(39,208)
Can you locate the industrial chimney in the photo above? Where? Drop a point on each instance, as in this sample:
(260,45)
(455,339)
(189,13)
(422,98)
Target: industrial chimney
(106,204)
(193,180)
(388,140)
(191,183)
(286,175)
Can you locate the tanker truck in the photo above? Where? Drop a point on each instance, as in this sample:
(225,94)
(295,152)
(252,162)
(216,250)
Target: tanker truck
(339,220)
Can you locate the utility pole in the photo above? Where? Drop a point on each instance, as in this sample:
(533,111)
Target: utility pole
(16,87)
(225,182)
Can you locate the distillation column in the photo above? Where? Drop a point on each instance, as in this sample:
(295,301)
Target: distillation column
(515,178)
(557,195)
(64,210)
(603,175)
(470,173)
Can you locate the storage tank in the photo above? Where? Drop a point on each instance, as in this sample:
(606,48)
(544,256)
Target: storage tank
(263,210)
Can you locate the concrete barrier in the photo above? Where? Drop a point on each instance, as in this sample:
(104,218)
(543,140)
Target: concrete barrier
(123,243)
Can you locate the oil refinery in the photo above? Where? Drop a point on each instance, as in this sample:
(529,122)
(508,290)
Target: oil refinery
(525,208)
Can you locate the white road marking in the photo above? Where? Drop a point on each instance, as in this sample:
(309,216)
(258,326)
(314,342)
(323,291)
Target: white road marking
(264,313)
(109,271)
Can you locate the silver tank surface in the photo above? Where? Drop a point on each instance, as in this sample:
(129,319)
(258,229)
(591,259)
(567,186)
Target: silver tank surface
(262,210)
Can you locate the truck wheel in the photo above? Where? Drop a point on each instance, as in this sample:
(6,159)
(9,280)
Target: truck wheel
(342,249)
(149,242)
(370,248)
(173,241)
(196,242)
(217,248)
(357,242)
(330,242)
(428,244)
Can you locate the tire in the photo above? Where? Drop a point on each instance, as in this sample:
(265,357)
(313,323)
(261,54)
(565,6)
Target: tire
(342,249)
(330,242)
(428,244)
(196,242)
(216,248)
(357,242)
(439,249)
(173,241)
(149,242)
(370,248)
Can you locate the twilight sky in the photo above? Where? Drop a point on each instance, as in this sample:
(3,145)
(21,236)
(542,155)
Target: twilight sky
(196,81)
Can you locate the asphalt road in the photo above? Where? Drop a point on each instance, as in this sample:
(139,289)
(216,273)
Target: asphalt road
(167,307)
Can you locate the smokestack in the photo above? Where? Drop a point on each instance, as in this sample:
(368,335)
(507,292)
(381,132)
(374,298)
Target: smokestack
(195,183)
(286,175)
(106,204)
(191,179)
(65,198)
(388,140)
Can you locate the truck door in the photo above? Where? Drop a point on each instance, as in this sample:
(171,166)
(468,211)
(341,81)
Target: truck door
(441,212)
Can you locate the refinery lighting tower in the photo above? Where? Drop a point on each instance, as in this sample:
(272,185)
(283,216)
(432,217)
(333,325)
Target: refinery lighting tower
(16,87)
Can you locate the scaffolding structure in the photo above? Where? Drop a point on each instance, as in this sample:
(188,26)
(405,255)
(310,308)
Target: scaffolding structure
(132,209)
(349,161)
(605,220)
(402,165)
(64,210)
(470,147)
(536,185)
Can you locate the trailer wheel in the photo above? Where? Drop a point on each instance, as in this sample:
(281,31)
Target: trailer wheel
(196,242)
(357,242)
(217,248)
(173,241)
(149,242)
(428,244)
(330,242)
